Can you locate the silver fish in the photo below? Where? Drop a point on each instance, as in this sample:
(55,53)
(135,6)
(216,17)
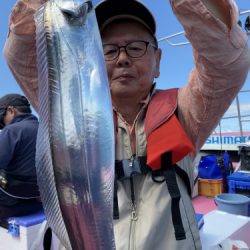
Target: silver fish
(75,145)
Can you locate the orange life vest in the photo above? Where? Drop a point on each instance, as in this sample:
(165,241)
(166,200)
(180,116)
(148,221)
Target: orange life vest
(163,131)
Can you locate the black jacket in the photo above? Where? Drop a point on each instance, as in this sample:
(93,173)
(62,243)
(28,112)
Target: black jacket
(18,147)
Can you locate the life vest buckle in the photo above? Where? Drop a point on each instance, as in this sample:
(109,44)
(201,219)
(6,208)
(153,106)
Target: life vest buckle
(130,167)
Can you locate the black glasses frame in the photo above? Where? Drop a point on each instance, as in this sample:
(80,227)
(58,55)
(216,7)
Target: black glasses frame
(126,51)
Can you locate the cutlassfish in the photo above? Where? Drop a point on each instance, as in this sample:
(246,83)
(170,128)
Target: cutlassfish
(75,144)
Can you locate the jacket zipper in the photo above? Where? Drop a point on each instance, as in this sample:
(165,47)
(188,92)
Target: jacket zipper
(134,216)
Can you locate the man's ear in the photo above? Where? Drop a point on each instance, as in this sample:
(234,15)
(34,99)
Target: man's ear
(12,110)
(158,54)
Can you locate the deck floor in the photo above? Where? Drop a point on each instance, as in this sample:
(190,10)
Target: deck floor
(203,205)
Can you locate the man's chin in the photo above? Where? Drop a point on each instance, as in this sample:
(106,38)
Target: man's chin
(122,92)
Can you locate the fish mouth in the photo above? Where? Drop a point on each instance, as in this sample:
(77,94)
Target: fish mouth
(76,15)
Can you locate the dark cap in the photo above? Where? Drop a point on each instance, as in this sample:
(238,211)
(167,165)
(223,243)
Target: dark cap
(15,100)
(110,10)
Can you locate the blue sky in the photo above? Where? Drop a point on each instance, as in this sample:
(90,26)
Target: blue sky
(176,61)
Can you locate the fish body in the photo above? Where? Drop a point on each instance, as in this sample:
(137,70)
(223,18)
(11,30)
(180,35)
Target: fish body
(75,144)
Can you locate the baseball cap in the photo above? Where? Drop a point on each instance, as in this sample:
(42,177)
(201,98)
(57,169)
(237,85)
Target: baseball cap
(15,100)
(108,11)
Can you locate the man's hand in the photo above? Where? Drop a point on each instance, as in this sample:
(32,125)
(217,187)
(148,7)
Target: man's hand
(21,20)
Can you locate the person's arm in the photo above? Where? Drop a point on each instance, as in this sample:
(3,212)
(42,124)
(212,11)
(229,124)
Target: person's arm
(20,48)
(222,60)
(219,9)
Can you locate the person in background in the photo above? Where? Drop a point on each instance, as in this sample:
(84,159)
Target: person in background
(157,132)
(19,193)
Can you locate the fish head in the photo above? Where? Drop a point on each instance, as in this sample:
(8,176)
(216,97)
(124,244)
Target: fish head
(74,11)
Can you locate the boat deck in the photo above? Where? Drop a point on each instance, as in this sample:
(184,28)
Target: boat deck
(203,205)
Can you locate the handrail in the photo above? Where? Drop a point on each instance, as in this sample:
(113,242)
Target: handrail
(239,115)
(167,38)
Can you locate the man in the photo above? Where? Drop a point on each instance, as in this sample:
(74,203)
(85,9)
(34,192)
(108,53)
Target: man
(18,188)
(152,205)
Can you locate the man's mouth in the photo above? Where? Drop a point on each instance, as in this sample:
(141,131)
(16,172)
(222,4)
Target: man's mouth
(123,76)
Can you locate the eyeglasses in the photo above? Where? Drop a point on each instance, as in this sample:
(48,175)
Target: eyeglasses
(133,49)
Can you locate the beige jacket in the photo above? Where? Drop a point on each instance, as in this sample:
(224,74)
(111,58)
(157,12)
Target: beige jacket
(222,62)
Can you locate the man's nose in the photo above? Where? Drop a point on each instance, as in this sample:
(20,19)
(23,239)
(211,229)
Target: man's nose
(123,56)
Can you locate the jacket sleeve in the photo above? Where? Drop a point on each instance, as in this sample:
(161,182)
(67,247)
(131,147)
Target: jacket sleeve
(222,61)
(7,146)
(20,48)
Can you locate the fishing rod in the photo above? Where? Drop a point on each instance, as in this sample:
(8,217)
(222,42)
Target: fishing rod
(246,26)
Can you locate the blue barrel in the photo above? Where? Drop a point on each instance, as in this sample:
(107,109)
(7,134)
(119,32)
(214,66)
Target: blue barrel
(232,203)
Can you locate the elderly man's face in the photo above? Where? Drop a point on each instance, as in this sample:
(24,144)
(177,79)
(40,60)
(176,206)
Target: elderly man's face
(131,77)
